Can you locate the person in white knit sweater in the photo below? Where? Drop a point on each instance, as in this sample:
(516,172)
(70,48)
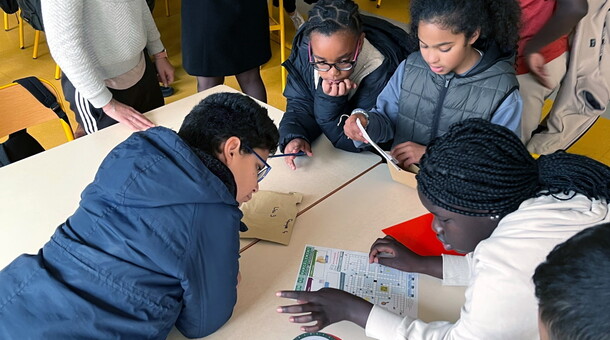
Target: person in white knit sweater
(101,47)
(502,208)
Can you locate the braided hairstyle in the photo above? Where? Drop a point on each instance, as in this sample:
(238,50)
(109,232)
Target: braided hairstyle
(331,16)
(499,20)
(482,169)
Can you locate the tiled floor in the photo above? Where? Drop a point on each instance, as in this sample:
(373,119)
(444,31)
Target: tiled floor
(17,63)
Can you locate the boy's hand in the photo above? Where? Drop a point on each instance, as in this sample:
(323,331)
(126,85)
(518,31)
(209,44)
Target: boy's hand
(294,146)
(338,88)
(325,307)
(537,65)
(408,153)
(351,130)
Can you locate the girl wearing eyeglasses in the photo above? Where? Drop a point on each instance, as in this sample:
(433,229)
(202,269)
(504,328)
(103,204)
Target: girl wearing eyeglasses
(340,60)
(464,69)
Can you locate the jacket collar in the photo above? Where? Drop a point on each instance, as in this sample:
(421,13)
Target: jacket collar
(218,168)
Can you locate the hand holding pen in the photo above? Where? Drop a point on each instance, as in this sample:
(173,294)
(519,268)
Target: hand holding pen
(296,147)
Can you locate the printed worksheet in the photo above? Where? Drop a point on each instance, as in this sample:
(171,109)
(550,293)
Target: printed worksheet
(351,271)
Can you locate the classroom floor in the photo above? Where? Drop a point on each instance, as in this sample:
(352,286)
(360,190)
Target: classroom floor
(18,63)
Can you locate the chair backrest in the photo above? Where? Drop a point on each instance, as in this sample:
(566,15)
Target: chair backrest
(19,109)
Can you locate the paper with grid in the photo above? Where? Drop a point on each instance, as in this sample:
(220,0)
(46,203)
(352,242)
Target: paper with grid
(351,271)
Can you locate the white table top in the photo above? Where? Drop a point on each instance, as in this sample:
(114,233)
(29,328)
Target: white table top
(351,219)
(40,192)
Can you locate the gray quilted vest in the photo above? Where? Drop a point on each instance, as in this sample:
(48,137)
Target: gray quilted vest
(429,103)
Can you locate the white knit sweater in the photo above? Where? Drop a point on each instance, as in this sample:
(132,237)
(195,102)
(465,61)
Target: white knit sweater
(500,301)
(93,40)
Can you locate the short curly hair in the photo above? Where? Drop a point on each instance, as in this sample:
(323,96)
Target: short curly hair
(223,115)
(498,20)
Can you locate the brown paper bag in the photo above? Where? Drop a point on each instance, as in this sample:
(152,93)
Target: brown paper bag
(270,216)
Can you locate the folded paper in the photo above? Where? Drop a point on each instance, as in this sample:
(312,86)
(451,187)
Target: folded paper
(417,235)
(270,216)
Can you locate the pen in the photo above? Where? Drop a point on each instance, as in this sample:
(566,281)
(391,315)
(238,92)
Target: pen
(300,153)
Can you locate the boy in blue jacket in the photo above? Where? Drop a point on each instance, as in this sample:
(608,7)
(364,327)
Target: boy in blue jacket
(155,240)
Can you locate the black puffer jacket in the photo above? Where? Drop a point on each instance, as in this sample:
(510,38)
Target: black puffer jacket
(310,111)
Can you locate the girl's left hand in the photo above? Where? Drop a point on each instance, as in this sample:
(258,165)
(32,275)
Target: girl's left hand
(338,88)
(325,307)
(408,153)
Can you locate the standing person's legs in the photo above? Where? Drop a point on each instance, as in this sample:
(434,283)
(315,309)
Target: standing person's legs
(534,94)
(290,6)
(252,84)
(204,83)
(86,115)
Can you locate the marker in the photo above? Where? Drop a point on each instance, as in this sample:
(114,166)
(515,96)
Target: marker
(296,154)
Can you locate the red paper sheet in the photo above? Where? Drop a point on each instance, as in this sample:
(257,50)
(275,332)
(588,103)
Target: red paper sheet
(417,235)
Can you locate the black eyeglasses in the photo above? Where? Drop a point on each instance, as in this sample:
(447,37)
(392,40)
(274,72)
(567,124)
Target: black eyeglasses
(340,66)
(266,167)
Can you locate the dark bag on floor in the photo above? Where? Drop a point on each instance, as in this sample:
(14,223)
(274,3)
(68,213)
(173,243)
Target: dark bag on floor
(20,144)
(9,6)
(32,13)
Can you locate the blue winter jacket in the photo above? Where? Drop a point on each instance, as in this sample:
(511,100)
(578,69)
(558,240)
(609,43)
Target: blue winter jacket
(153,243)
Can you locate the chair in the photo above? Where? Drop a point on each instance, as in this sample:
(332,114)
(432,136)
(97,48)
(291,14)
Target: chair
(21,110)
(57,74)
(275,26)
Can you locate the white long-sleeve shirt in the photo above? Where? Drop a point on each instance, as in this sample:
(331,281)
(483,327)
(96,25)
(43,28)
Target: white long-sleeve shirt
(500,301)
(94,40)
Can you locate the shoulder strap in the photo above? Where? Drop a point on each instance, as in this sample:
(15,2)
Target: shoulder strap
(44,96)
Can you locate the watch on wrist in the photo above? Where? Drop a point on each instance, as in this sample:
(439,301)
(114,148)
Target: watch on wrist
(162,54)
(362,112)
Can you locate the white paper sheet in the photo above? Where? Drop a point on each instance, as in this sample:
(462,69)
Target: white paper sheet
(387,156)
(350,271)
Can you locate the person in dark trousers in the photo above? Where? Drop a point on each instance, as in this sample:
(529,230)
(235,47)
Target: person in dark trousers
(226,38)
(290,6)
(108,75)
(154,241)
(340,60)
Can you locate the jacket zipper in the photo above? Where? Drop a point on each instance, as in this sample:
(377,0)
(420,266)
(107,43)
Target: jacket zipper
(437,110)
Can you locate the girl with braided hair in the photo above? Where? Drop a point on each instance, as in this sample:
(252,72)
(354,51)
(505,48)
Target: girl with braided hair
(495,203)
(340,60)
(464,69)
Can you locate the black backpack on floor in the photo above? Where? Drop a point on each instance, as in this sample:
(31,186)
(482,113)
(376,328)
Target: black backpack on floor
(31,12)
(21,144)
(9,6)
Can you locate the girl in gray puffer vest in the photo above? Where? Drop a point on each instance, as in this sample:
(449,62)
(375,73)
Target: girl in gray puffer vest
(464,69)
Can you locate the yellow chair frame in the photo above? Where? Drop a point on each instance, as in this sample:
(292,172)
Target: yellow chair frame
(57,74)
(278,25)
(21,110)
